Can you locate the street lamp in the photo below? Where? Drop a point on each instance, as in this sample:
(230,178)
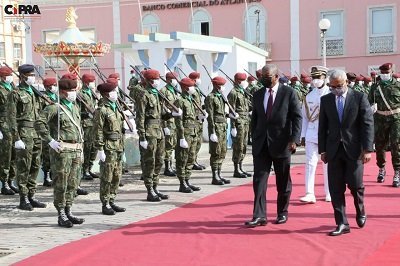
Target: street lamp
(324,24)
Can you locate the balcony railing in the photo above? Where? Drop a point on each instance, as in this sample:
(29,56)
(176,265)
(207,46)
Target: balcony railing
(381,44)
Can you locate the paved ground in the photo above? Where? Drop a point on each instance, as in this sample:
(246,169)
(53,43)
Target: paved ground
(23,234)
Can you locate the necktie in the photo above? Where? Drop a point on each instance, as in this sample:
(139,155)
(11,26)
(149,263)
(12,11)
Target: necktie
(340,108)
(269,103)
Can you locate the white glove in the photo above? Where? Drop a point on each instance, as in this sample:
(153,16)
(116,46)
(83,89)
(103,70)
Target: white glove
(19,145)
(179,113)
(251,113)
(144,144)
(183,143)
(214,138)
(201,116)
(126,125)
(1,135)
(374,108)
(55,145)
(101,155)
(167,132)
(234,132)
(234,116)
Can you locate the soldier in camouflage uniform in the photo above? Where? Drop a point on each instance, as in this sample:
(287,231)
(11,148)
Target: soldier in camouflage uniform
(306,81)
(89,151)
(151,139)
(108,132)
(296,85)
(367,84)
(23,110)
(358,86)
(169,127)
(186,126)
(239,100)
(133,81)
(385,100)
(66,148)
(7,151)
(351,77)
(217,126)
(50,84)
(195,76)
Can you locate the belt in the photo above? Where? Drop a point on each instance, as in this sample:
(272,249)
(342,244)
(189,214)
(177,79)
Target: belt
(153,121)
(26,124)
(219,119)
(71,146)
(113,135)
(387,113)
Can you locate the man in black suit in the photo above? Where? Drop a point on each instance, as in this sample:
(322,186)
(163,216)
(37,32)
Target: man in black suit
(276,128)
(345,139)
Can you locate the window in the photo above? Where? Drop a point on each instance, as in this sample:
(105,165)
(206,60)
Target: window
(381,30)
(151,24)
(334,35)
(50,36)
(255,26)
(17,50)
(252,68)
(2,50)
(89,34)
(201,23)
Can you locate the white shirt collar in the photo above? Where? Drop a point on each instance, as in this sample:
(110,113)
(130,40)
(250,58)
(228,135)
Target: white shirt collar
(274,88)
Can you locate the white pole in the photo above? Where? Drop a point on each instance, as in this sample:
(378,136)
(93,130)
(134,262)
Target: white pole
(247,22)
(141,18)
(323,48)
(191,10)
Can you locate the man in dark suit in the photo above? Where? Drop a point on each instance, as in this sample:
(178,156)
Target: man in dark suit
(276,128)
(345,139)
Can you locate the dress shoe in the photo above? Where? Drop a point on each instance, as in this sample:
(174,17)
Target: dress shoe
(94,175)
(328,198)
(117,208)
(81,191)
(281,219)
(381,175)
(361,219)
(308,198)
(340,229)
(256,222)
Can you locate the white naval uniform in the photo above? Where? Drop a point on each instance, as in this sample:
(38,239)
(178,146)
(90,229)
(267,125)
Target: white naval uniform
(309,131)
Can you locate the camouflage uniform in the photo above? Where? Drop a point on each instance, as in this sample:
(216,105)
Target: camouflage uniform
(300,91)
(46,163)
(23,110)
(358,87)
(199,132)
(252,88)
(108,134)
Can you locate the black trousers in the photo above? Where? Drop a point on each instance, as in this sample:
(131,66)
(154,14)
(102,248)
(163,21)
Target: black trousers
(262,166)
(341,171)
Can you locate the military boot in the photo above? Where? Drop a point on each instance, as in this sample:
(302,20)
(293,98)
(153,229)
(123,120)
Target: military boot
(63,220)
(242,171)
(200,165)
(151,195)
(24,203)
(87,176)
(6,190)
(81,191)
(168,169)
(117,208)
(194,188)
(161,195)
(381,175)
(35,203)
(396,178)
(107,210)
(47,182)
(73,218)
(215,178)
(184,188)
(226,181)
(11,185)
(93,174)
(236,173)
(197,167)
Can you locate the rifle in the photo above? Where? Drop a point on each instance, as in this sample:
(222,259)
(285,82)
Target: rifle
(176,109)
(198,89)
(194,102)
(250,74)
(37,92)
(233,83)
(223,96)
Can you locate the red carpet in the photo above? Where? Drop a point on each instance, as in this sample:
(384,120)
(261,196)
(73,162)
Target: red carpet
(211,232)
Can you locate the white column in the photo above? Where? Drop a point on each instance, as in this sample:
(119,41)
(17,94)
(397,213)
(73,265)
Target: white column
(295,36)
(117,40)
(28,43)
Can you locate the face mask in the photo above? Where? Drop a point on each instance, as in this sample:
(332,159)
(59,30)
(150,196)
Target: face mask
(156,83)
(113,96)
(370,84)
(318,83)
(244,84)
(198,82)
(71,96)
(9,79)
(266,82)
(398,79)
(297,83)
(338,91)
(92,85)
(385,77)
(30,80)
(254,82)
(174,82)
(54,89)
(360,83)
(191,90)
(119,83)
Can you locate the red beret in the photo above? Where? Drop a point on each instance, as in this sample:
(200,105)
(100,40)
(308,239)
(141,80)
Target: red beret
(187,82)
(49,82)
(114,75)
(67,84)
(5,71)
(367,79)
(351,76)
(303,76)
(105,87)
(373,74)
(171,75)
(112,81)
(194,75)
(70,76)
(387,66)
(250,79)
(86,78)
(294,79)
(240,76)
(396,75)
(218,81)
(259,73)
(307,80)
(151,74)
(359,78)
